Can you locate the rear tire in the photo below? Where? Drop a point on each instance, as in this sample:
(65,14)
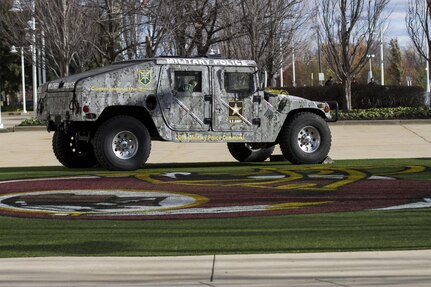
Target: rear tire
(305,139)
(72,153)
(245,152)
(122,143)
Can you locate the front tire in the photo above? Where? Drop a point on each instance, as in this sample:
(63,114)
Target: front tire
(305,139)
(245,152)
(72,153)
(122,143)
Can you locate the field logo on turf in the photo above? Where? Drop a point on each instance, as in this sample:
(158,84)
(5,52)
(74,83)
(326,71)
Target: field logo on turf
(184,195)
(301,178)
(98,202)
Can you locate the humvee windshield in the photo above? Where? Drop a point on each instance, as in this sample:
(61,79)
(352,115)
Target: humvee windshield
(235,82)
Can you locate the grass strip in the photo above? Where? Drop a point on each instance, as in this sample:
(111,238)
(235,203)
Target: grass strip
(369,230)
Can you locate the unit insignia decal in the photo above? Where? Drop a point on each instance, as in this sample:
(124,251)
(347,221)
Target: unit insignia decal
(145,77)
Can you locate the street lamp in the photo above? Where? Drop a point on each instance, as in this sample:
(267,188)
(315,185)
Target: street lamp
(281,64)
(382,68)
(370,73)
(1,103)
(319,57)
(18,7)
(14,51)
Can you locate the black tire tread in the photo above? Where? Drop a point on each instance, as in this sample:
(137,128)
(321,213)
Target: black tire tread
(100,136)
(243,154)
(61,148)
(288,148)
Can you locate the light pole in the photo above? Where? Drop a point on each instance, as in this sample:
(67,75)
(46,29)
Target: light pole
(281,64)
(382,68)
(370,73)
(43,58)
(14,51)
(33,52)
(427,72)
(293,68)
(1,104)
(281,76)
(427,58)
(318,56)
(18,7)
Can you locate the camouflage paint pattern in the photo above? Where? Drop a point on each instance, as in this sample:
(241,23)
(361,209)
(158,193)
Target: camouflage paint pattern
(211,114)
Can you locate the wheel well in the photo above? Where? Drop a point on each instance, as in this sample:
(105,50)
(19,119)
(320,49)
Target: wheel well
(134,111)
(297,111)
(292,113)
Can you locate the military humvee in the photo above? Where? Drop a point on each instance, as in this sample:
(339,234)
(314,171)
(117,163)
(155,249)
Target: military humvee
(110,115)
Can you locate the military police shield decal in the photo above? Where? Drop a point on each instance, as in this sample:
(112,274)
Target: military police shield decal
(145,76)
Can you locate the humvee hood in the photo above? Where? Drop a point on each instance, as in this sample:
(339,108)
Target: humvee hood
(69,83)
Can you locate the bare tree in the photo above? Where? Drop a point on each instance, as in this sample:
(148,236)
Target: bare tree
(208,24)
(418,22)
(349,33)
(157,26)
(195,26)
(118,26)
(66,30)
(62,25)
(179,25)
(269,31)
(413,64)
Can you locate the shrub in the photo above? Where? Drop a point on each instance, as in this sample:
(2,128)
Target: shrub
(32,122)
(365,96)
(375,96)
(387,113)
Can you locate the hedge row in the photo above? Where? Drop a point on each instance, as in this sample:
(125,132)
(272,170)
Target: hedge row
(32,122)
(387,113)
(365,96)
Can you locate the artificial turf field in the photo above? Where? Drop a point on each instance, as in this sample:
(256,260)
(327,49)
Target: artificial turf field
(255,208)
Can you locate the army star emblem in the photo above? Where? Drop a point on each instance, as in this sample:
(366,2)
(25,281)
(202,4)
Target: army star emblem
(236,110)
(145,76)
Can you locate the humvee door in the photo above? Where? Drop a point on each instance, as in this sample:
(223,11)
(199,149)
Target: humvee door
(234,108)
(182,97)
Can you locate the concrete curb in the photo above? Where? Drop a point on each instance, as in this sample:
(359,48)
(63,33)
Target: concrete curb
(22,128)
(381,122)
(29,128)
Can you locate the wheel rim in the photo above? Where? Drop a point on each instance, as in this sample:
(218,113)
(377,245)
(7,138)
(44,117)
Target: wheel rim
(309,139)
(125,145)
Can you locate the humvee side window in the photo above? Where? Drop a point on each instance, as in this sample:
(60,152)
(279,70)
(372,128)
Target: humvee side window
(235,82)
(188,81)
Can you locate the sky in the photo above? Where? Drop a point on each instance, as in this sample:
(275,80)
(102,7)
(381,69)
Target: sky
(396,27)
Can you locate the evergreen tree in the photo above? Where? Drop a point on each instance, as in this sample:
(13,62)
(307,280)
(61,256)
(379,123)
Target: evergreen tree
(9,75)
(396,72)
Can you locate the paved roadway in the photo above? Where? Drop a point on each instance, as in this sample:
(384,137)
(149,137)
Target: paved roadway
(393,139)
(397,139)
